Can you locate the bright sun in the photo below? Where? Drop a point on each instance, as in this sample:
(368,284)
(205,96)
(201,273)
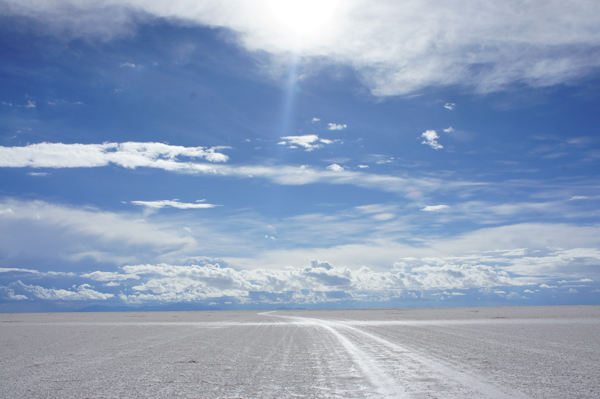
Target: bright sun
(305,19)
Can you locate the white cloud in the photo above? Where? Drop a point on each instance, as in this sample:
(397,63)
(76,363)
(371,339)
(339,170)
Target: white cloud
(39,232)
(177,283)
(109,276)
(172,204)
(6,211)
(454,293)
(335,167)
(514,295)
(315,120)
(83,292)
(308,141)
(38,174)
(162,156)
(433,208)
(363,166)
(431,137)
(30,104)
(547,286)
(36,272)
(450,106)
(9,293)
(586,280)
(570,263)
(127,65)
(577,197)
(127,155)
(384,216)
(381,243)
(396,47)
(333,126)
(449,130)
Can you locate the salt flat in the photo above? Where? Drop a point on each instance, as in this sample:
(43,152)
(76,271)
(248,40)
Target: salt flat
(502,352)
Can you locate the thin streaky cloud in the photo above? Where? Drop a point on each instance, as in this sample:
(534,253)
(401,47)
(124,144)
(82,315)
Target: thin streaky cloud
(127,155)
(433,208)
(173,204)
(165,157)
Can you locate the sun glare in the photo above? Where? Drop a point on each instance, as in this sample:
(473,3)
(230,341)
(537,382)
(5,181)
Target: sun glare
(305,20)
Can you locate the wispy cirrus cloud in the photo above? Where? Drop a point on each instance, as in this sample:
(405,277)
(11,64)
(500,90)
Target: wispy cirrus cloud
(173,204)
(434,208)
(35,232)
(396,47)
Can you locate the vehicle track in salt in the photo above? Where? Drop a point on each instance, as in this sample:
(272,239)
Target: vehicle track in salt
(395,371)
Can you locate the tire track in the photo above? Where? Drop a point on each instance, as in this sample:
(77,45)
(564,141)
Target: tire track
(395,371)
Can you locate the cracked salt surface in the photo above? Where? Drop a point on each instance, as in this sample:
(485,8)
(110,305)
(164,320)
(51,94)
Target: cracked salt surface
(524,352)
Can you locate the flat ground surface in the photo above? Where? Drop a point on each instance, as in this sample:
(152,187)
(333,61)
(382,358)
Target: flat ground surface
(535,352)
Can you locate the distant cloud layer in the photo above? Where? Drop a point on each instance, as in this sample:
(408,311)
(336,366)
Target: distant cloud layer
(161,261)
(397,46)
(318,282)
(174,283)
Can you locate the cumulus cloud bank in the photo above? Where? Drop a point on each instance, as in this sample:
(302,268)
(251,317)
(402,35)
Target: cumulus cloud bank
(321,281)
(174,283)
(83,292)
(397,47)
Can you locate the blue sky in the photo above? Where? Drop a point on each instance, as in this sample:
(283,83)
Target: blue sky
(313,154)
